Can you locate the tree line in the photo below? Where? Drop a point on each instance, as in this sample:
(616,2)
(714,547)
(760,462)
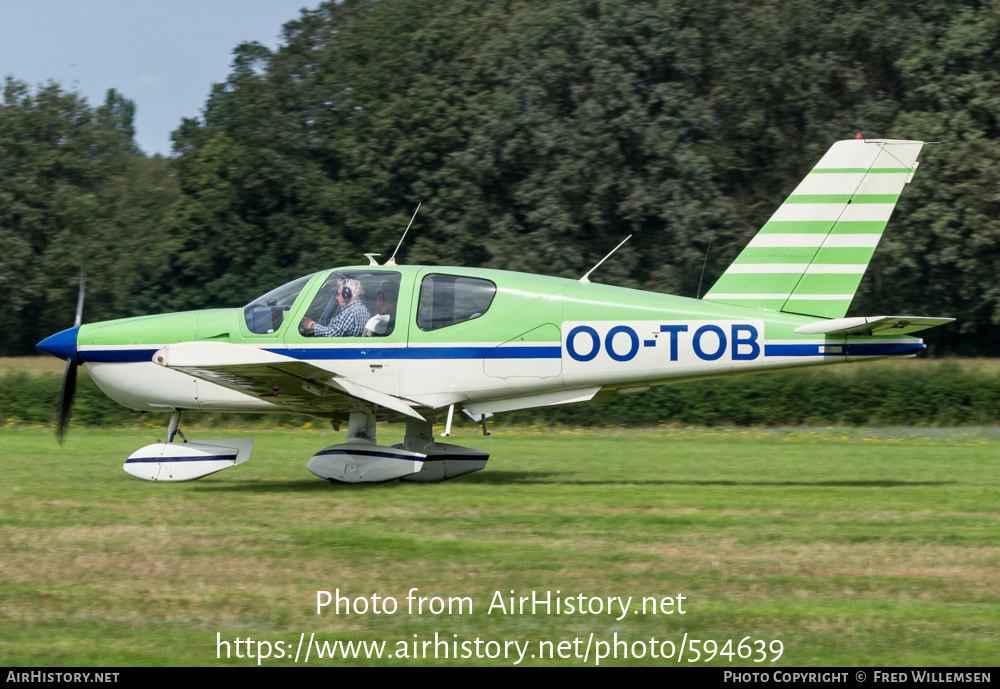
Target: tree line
(536,136)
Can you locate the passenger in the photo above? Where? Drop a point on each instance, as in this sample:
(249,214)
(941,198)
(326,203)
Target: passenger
(351,317)
(385,302)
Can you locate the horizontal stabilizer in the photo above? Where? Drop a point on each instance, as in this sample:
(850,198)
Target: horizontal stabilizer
(872,325)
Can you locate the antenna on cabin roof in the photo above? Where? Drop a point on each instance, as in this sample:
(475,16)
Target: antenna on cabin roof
(705,263)
(392,259)
(586,278)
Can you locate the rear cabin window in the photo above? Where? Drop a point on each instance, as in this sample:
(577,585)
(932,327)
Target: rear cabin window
(449,299)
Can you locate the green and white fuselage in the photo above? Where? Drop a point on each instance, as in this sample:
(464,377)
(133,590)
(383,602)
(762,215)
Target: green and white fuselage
(490,341)
(542,341)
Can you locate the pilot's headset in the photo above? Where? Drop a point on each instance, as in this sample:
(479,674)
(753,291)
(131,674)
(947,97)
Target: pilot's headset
(351,288)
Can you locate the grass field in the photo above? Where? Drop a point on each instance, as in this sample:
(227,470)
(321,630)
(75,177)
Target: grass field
(850,547)
(32,365)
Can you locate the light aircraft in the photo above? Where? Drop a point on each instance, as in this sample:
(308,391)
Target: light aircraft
(491,341)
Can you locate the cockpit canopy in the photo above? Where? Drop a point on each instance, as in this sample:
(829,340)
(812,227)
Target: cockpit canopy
(444,300)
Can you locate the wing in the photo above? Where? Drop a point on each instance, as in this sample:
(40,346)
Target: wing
(285,382)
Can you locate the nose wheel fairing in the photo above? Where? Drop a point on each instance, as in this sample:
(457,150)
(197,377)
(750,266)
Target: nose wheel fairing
(187,461)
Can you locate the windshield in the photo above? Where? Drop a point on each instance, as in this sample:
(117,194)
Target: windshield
(265,313)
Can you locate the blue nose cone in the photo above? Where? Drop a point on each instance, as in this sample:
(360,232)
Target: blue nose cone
(62,345)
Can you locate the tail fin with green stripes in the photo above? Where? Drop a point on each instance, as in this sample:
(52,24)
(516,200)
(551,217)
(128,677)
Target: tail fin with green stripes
(810,256)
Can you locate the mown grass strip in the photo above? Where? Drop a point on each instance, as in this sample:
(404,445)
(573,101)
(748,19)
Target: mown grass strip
(851,546)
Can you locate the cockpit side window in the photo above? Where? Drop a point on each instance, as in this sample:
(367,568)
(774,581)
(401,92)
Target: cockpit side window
(372,294)
(265,313)
(449,299)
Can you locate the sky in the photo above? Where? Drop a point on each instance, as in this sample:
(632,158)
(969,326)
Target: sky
(162,54)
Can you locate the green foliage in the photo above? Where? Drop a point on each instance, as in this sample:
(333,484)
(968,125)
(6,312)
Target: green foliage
(944,253)
(75,193)
(27,399)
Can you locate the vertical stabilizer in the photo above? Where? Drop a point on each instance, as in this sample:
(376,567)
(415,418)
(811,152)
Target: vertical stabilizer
(810,256)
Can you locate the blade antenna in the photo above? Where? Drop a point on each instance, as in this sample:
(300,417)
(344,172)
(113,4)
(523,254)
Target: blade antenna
(392,259)
(707,249)
(586,278)
(79,299)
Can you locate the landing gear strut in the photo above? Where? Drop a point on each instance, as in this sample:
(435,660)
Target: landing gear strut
(173,427)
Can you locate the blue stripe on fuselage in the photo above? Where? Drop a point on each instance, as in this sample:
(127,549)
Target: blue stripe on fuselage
(113,354)
(117,355)
(425,353)
(354,353)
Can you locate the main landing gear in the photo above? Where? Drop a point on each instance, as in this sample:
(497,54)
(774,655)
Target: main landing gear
(417,458)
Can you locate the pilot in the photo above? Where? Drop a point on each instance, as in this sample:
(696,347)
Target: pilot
(351,316)
(385,302)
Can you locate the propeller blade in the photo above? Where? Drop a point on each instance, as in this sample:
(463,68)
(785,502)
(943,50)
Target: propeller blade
(66,399)
(69,376)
